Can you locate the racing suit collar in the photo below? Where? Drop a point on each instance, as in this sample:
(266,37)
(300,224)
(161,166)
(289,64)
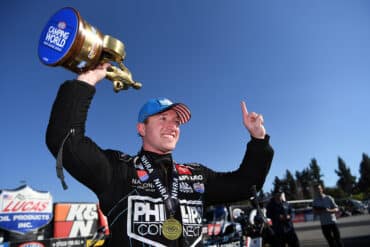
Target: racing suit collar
(158,160)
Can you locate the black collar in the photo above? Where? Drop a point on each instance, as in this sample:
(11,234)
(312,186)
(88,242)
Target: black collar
(158,160)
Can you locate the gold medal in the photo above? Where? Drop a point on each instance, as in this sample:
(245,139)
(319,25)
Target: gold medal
(171,229)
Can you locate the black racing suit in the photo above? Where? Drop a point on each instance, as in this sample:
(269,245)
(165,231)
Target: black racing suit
(126,196)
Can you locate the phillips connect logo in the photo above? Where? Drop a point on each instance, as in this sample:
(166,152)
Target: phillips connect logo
(146,215)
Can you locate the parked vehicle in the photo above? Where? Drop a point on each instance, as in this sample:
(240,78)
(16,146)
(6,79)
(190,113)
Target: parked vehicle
(367,205)
(352,206)
(356,206)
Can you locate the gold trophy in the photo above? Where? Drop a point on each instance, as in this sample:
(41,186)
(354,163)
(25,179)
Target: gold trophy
(69,41)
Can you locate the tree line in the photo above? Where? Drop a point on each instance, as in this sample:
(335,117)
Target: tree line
(300,185)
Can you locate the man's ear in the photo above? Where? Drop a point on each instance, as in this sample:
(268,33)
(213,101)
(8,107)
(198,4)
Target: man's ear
(140,127)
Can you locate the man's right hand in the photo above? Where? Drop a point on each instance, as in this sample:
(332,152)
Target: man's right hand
(94,76)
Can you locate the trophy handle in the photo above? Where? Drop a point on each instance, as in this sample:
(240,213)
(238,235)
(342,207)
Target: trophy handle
(114,50)
(121,78)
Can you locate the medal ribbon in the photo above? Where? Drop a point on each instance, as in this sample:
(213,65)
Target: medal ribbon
(170,201)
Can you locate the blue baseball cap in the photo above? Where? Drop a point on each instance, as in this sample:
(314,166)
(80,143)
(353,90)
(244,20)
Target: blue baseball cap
(158,105)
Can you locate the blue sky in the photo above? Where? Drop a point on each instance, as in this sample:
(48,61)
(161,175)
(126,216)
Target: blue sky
(303,64)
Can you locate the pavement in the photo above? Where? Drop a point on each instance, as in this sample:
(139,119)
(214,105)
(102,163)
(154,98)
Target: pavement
(355,232)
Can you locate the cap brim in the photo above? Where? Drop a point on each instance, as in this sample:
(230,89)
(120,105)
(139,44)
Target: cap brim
(182,111)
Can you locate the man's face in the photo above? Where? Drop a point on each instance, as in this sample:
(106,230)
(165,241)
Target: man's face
(161,132)
(319,190)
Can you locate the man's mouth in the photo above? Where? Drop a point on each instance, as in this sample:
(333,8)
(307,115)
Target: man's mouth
(170,136)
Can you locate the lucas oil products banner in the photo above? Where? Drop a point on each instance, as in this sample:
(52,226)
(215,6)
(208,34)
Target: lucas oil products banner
(25,210)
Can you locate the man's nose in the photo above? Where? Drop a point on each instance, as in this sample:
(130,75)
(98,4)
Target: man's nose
(172,124)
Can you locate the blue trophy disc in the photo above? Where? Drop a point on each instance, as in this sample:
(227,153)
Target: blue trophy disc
(58,36)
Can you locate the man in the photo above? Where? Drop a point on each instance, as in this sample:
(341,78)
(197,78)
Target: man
(149,199)
(280,213)
(325,207)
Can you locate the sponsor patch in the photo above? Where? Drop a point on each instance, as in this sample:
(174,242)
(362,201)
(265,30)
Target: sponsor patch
(191,177)
(185,187)
(136,183)
(199,187)
(183,170)
(144,219)
(143,175)
(146,215)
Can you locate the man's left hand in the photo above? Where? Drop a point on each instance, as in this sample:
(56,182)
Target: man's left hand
(253,122)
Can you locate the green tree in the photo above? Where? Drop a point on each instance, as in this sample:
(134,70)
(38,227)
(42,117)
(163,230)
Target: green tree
(278,184)
(364,180)
(315,172)
(346,181)
(335,192)
(304,179)
(291,190)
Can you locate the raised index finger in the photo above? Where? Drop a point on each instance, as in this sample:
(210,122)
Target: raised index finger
(244,108)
